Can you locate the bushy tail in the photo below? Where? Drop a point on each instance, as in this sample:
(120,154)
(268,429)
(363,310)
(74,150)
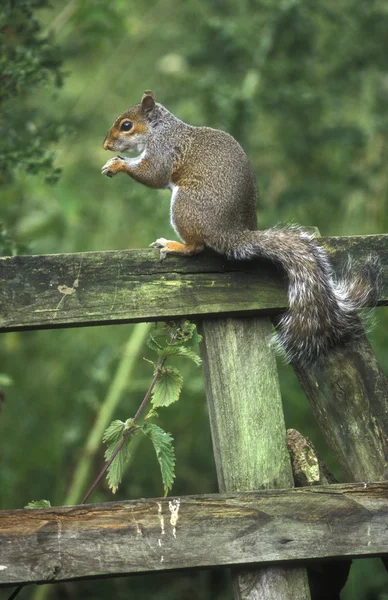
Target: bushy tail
(322,311)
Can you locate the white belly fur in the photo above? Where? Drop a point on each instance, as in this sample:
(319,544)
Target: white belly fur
(174,189)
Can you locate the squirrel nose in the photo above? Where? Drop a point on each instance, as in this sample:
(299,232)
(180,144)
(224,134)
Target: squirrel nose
(106,145)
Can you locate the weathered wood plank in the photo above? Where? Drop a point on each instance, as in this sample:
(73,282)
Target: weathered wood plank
(249,434)
(94,288)
(126,286)
(308,467)
(55,544)
(348,393)
(326,578)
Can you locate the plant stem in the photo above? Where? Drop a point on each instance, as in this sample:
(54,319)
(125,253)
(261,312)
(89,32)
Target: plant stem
(16,591)
(106,466)
(127,363)
(128,432)
(149,392)
(123,373)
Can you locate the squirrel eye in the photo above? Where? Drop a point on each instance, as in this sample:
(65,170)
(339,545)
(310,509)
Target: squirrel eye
(126,126)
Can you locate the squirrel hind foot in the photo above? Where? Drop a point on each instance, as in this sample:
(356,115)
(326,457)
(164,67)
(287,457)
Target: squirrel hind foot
(170,247)
(162,245)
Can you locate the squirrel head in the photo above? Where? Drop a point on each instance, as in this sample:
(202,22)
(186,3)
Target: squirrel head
(130,131)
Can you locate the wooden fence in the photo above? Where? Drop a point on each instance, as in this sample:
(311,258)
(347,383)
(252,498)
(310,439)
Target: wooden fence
(270,536)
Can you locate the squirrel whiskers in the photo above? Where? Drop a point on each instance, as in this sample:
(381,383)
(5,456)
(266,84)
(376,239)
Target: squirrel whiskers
(213,203)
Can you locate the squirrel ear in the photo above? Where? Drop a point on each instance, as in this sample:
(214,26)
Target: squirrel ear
(147,101)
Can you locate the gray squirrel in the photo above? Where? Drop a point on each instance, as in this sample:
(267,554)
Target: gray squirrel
(213,203)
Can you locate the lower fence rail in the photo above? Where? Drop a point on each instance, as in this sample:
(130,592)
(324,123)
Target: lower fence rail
(147,535)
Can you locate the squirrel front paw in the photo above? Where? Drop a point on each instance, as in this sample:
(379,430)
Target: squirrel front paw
(113,166)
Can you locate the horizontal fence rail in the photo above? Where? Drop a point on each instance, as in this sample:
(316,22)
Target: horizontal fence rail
(94,288)
(142,536)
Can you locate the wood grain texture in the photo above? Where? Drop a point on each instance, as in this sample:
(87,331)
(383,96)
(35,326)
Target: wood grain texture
(92,288)
(326,578)
(248,431)
(143,536)
(348,393)
(348,390)
(245,406)
(308,467)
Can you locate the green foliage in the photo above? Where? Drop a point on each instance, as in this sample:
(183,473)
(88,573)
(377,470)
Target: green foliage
(114,432)
(165,454)
(303,86)
(166,340)
(171,340)
(8,246)
(179,350)
(187,334)
(38,504)
(28,59)
(5,380)
(98,22)
(112,437)
(168,387)
(169,334)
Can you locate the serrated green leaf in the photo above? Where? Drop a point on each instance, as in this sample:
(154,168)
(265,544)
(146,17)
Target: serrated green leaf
(114,432)
(195,340)
(38,504)
(153,344)
(163,444)
(151,414)
(116,469)
(173,333)
(112,437)
(185,331)
(187,334)
(180,351)
(167,388)
(160,336)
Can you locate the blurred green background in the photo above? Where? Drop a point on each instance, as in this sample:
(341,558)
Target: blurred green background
(303,86)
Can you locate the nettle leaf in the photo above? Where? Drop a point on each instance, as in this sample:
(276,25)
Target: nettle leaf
(161,336)
(153,343)
(187,333)
(151,414)
(112,437)
(180,351)
(114,433)
(195,339)
(116,469)
(167,388)
(38,504)
(163,444)
(174,334)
